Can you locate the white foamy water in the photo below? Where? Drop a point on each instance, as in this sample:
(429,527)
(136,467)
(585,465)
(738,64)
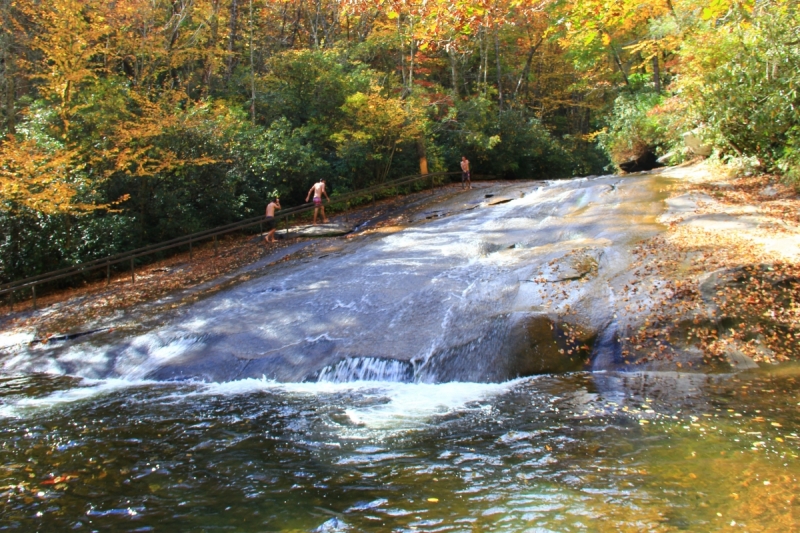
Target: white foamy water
(15,338)
(395,406)
(403,406)
(412,405)
(88,390)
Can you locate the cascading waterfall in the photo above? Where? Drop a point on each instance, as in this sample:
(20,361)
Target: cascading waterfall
(442,300)
(367,369)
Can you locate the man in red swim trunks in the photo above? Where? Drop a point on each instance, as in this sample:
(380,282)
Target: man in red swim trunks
(466,183)
(318,189)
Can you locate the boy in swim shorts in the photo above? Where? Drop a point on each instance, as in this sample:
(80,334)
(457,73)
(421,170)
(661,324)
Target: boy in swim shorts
(274,205)
(318,189)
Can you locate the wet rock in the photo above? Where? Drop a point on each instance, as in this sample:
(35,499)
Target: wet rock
(576,265)
(738,360)
(242,355)
(666,158)
(497,201)
(537,345)
(366,369)
(769,191)
(723,314)
(333,229)
(714,284)
(332,526)
(207,367)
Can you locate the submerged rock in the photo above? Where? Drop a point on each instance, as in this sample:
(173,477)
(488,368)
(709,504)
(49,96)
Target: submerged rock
(333,525)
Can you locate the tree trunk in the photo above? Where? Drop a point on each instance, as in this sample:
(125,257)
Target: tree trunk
(296,26)
(485,41)
(411,64)
(618,61)
(483,65)
(656,75)
(284,17)
(499,71)
(411,52)
(453,70)
(252,71)
(329,36)
(233,24)
(212,45)
(8,72)
(402,54)
(423,157)
(526,71)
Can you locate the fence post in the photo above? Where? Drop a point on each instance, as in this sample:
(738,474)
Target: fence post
(190,249)
(11,300)
(108,274)
(33,292)
(215,246)
(133,272)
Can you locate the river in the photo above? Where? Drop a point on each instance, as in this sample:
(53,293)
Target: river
(379,385)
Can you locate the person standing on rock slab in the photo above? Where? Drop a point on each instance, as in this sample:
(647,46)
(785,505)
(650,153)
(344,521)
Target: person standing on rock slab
(318,189)
(273,206)
(465,177)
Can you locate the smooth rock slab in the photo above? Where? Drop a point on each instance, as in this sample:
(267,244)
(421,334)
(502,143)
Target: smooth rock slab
(333,229)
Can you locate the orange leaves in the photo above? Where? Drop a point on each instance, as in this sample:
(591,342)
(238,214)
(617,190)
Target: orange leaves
(753,306)
(58,480)
(69,36)
(43,180)
(136,148)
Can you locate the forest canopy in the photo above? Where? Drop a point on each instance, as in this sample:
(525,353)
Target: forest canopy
(129,122)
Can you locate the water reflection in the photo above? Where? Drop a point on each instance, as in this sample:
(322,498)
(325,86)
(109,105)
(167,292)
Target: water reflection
(581,452)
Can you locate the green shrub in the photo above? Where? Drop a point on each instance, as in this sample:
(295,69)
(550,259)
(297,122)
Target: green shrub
(510,144)
(741,80)
(634,127)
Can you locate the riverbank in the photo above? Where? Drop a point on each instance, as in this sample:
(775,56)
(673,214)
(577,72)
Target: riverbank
(730,255)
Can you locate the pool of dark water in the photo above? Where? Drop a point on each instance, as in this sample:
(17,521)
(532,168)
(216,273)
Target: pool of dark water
(577,452)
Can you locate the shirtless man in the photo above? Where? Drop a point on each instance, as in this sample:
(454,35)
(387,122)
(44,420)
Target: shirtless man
(318,189)
(465,181)
(274,205)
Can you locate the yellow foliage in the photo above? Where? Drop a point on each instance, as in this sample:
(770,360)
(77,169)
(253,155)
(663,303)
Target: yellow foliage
(136,149)
(40,180)
(70,34)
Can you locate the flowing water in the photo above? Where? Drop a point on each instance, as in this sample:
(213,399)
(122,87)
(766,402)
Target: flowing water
(373,388)
(449,295)
(577,452)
